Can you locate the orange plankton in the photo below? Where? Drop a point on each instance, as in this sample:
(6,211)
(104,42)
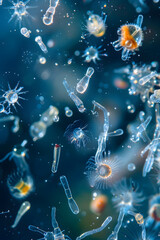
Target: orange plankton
(98,204)
(130,38)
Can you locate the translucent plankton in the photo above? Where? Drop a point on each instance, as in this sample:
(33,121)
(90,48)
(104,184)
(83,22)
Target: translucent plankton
(11,98)
(96,25)
(20,182)
(77,134)
(25,32)
(23,209)
(93,54)
(130,38)
(20,10)
(56,234)
(102,173)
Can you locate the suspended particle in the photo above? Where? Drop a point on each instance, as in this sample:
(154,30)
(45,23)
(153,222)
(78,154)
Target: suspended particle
(50,43)
(42,60)
(77,53)
(27,58)
(131,167)
(68,112)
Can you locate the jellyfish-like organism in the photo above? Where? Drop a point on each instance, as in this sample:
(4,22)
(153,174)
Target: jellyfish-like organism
(20,182)
(20,10)
(125,198)
(93,54)
(130,38)
(56,234)
(153,220)
(11,97)
(96,25)
(103,173)
(77,134)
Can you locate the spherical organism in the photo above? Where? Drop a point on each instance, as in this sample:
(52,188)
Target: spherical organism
(38,130)
(93,54)
(103,173)
(126,197)
(130,38)
(11,97)
(77,134)
(20,184)
(98,204)
(20,10)
(96,25)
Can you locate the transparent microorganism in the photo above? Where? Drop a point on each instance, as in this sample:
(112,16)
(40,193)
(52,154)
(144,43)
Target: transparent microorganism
(11,97)
(71,202)
(153,220)
(82,85)
(131,167)
(78,102)
(23,209)
(77,134)
(97,230)
(25,32)
(56,234)
(49,14)
(102,174)
(20,10)
(15,119)
(96,25)
(38,129)
(20,182)
(98,203)
(130,38)
(125,199)
(140,131)
(68,112)
(103,137)
(153,146)
(93,54)
(56,157)
(41,44)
